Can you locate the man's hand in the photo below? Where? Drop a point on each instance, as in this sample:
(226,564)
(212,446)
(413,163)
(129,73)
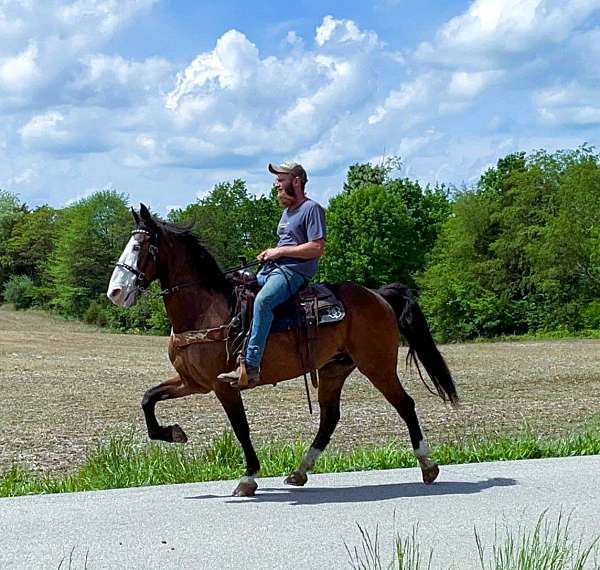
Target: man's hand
(308,250)
(269,254)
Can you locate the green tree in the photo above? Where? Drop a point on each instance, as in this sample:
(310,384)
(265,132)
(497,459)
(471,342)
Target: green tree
(520,251)
(232,222)
(389,236)
(11,211)
(31,242)
(371,238)
(365,174)
(90,237)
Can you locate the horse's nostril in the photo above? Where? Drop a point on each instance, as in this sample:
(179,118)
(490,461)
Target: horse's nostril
(115,292)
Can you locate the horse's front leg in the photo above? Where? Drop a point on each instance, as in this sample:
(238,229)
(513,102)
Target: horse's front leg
(172,388)
(232,403)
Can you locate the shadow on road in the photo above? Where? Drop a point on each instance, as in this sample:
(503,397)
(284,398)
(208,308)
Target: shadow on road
(365,493)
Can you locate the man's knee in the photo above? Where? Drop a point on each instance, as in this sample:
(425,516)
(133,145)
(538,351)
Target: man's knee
(263,301)
(268,298)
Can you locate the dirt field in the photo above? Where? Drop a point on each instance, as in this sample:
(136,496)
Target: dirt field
(65,386)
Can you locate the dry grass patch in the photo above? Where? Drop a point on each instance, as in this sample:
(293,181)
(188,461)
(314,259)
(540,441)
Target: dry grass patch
(67,385)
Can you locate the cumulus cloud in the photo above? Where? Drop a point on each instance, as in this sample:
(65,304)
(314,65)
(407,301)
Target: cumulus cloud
(412,94)
(57,133)
(233,61)
(492,31)
(244,104)
(52,36)
(469,85)
(569,104)
(333,32)
(330,99)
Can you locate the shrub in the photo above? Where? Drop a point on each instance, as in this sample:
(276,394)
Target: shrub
(20,291)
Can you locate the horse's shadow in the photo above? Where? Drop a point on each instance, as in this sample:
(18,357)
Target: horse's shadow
(366,493)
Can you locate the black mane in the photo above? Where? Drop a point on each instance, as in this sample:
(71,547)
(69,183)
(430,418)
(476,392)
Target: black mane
(206,264)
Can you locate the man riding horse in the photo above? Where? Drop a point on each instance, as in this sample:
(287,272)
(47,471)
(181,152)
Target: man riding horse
(287,266)
(201,306)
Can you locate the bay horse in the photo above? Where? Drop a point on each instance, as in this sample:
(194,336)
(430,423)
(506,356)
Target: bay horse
(199,298)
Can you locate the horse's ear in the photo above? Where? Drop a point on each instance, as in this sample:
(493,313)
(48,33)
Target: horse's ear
(145,214)
(135,217)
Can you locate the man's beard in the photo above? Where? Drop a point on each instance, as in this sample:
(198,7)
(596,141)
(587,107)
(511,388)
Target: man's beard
(285,200)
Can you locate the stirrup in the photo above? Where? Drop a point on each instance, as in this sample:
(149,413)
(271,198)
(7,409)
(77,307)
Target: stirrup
(239,378)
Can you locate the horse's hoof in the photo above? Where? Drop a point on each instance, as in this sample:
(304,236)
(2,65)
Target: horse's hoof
(297,479)
(245,489)
(430,474)
(177,434)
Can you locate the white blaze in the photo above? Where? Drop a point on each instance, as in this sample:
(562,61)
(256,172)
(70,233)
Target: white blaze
(121,288)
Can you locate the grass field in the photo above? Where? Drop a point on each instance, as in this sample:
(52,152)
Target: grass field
(66,386)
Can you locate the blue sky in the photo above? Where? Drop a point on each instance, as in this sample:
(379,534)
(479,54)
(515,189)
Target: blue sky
(161,99)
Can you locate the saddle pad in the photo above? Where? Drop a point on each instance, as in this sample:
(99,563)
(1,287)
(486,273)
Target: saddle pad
(330,309)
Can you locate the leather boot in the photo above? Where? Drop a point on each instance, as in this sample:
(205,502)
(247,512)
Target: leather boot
(233,378)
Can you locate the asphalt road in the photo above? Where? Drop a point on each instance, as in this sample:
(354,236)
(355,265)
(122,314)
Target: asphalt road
(198,526)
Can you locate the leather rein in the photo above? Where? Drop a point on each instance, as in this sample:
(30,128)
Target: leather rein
(142,284)
(186,338)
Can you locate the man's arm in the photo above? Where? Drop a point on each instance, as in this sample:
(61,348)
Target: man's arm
(308,250)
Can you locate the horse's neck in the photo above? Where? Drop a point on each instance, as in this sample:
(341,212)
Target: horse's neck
(196,306)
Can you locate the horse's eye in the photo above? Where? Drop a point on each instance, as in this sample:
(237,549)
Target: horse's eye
(137,247)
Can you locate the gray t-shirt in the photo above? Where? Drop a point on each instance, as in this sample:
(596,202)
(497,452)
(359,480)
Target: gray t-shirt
(305,223)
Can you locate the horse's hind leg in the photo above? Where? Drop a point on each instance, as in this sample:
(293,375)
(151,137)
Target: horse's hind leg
(172,388)
(332,378)
(385,379)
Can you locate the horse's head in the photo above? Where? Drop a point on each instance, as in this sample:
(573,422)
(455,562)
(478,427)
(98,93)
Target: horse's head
(137,266)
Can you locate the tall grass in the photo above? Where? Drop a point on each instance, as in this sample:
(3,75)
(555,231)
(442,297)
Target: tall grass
(124,460)
(548,546)
(407,552)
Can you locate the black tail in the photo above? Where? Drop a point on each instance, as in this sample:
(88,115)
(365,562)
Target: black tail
(415,329)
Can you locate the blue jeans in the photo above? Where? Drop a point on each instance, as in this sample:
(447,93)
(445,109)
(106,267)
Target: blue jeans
(278,286)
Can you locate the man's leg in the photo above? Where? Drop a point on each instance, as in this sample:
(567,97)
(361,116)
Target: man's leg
(279,285)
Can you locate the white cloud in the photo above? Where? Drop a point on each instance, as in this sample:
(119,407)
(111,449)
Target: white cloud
(243,104)
(56,133)
(332,31)
(493,30)
(568,104)
(469,85)
(233,61)
(412,94)
(43,42)
(20,72)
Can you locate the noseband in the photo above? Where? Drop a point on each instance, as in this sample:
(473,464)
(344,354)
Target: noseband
(141,283)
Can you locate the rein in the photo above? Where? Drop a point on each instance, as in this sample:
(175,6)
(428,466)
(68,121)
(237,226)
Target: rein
(142,285)
(177,288)
(220,333)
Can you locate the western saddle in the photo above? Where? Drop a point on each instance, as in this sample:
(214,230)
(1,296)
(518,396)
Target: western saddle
(311,307)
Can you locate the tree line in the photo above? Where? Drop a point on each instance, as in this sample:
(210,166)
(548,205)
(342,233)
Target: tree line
(517,252)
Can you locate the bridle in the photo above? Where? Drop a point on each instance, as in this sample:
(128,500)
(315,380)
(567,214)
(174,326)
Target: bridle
(141,282)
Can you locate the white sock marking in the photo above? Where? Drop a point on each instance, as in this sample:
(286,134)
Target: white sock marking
(422,454)
(309,460)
